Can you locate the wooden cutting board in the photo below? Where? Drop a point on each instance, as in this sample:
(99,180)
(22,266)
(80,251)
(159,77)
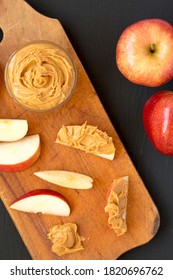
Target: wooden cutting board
(21,24)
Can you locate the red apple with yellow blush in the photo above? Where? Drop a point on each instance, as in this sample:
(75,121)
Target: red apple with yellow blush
(144,52)
(158,121)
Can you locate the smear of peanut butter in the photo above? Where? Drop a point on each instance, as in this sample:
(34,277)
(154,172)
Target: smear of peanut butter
(87,138)
(117,205)
(40,75)
(65,239)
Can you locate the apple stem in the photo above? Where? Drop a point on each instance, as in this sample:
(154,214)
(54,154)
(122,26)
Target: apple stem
(152,48)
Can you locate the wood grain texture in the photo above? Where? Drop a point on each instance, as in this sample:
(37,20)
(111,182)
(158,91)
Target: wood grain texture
(21,25)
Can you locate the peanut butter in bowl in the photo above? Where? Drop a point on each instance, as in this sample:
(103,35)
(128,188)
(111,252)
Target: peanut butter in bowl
(40,76)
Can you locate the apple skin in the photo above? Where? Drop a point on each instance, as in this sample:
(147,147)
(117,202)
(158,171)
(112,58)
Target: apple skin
(144,52)
(43,208)
(109,191)
(39,192)
(158,121)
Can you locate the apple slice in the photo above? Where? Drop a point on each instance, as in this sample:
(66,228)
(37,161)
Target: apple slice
(44,201)
(87,138)
(19,155)
(66,179)
(116,206)
(12,129)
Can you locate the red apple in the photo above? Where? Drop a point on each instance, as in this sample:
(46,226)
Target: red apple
(144,52)
(19,155)
(158,121)
(43,201)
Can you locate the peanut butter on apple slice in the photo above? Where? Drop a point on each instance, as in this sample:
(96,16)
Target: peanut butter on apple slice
(117,205)
(87,138)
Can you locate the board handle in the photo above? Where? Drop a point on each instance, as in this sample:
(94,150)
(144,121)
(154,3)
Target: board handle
(16,18)
(11,13)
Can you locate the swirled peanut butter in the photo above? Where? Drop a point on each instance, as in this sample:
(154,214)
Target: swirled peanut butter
(65,239)
(40,75)
(117,205)
(87,138)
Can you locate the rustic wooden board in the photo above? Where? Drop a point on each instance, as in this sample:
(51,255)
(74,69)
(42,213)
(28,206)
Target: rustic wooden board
(21,24)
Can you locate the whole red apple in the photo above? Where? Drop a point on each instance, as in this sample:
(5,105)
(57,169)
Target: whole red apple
(158,121)
(144,52)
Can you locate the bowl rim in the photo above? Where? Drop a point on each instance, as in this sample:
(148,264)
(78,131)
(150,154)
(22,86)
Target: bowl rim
(57,106)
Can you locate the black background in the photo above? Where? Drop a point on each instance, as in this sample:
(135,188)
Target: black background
(93,27)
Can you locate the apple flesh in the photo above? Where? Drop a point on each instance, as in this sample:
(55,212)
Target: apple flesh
(144,52)
(12,129)
(158,121)
(66,179)
(19,155)
(43,201)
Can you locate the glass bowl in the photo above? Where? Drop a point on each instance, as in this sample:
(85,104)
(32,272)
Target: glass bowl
(40,76)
